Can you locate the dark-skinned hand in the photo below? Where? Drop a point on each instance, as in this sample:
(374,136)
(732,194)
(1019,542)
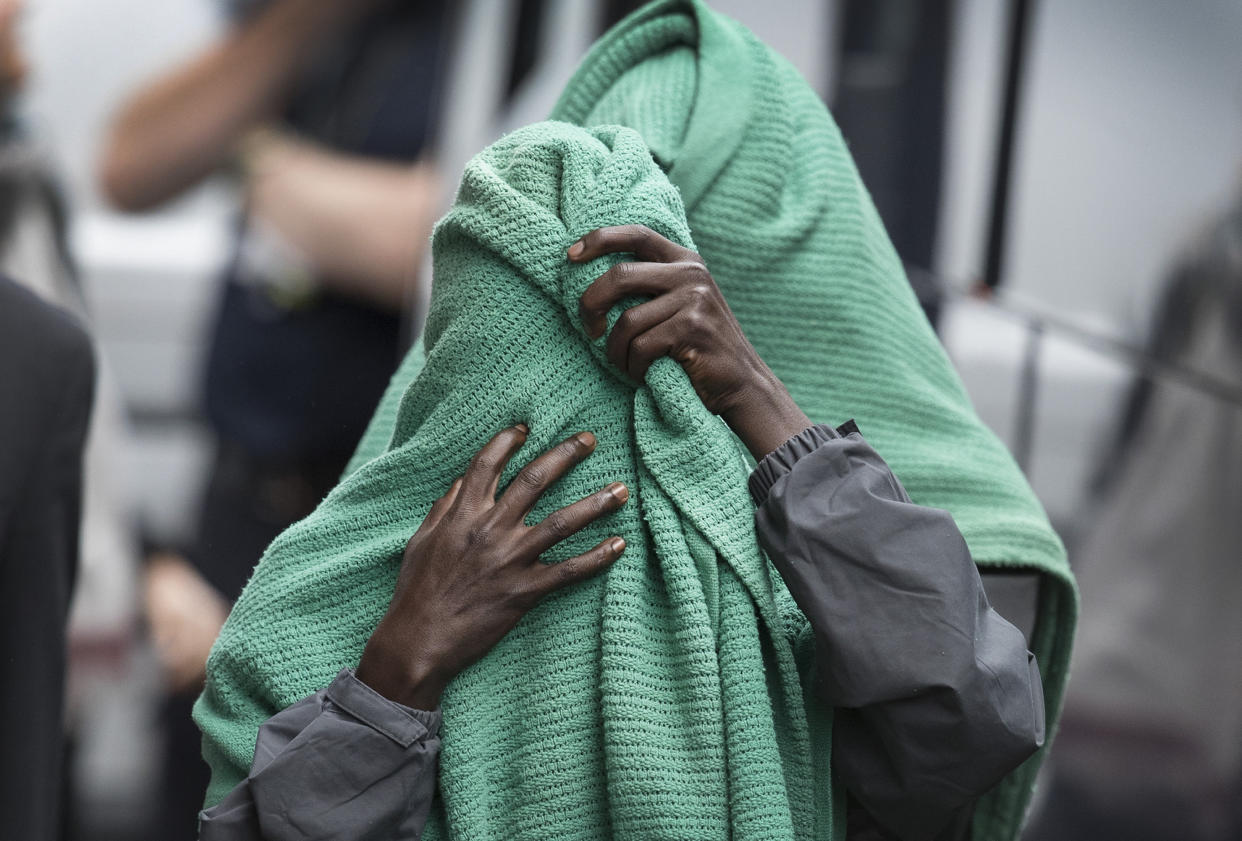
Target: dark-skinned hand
(472,569)
(688,320)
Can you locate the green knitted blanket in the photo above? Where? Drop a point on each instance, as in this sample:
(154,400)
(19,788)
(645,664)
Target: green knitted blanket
(603,713)
(793,240)
(661,701)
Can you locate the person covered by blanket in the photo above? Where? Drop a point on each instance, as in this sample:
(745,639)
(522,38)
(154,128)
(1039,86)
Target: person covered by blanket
(793,643)
(936,697)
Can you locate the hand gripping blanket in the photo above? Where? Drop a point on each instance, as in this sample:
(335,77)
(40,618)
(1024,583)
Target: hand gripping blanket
(790,235)
(660,701)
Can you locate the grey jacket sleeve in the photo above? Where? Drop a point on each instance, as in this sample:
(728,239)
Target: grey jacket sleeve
(344,763)
(936,695)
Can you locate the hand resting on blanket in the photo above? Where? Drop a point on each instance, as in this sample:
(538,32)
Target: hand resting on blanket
(472,569)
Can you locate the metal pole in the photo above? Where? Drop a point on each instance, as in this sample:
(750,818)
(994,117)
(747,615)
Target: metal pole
(1028,394)
(1019,35)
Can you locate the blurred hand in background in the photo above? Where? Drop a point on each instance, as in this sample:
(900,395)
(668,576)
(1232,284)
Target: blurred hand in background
(12,59)
(185,615)
(359,224)
(357,221)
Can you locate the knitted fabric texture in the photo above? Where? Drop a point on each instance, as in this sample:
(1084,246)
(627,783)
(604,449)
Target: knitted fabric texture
(661,700)
(792,238)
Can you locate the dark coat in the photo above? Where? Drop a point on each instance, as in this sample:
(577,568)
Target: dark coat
(47,374)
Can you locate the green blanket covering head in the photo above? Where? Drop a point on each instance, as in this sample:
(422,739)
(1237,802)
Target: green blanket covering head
(789,233)
(662,644)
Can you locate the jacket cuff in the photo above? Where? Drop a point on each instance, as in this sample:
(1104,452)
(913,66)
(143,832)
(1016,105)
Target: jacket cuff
(403,725)
(781,460)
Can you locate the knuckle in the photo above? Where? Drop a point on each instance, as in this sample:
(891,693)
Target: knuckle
(567,571)
(483,462)
(644,345)
(558,525)
(625,322)
(619,272)
(533,476)
(620,238)
(602,239)
(479,534)
(590,305)
(700,293)
(525,593)
(695,321)
(695,268)
(696,327)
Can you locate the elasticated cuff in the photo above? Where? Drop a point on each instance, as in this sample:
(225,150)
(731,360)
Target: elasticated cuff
(781,460)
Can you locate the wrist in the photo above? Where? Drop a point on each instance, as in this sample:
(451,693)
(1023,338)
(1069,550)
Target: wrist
(764,415)
(407,679)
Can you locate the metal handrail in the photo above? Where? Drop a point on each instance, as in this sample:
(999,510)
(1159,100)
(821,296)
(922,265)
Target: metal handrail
(1144,363)
(1039,322)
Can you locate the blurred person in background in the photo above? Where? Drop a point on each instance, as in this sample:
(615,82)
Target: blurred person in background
(325,111)
(1151,740)
(34,253)
(32,213)
(47,377)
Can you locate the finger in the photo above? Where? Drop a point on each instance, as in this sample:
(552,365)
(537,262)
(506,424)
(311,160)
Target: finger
(635,322)
(639,240)
(553,577)
(575,517)
(624,280)
(483,474)
(668,338)
(542,472)
(442,505)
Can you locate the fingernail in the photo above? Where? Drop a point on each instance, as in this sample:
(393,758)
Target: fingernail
(575,250)
(617,544)
(522,428)
(618,490)
(586,438)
